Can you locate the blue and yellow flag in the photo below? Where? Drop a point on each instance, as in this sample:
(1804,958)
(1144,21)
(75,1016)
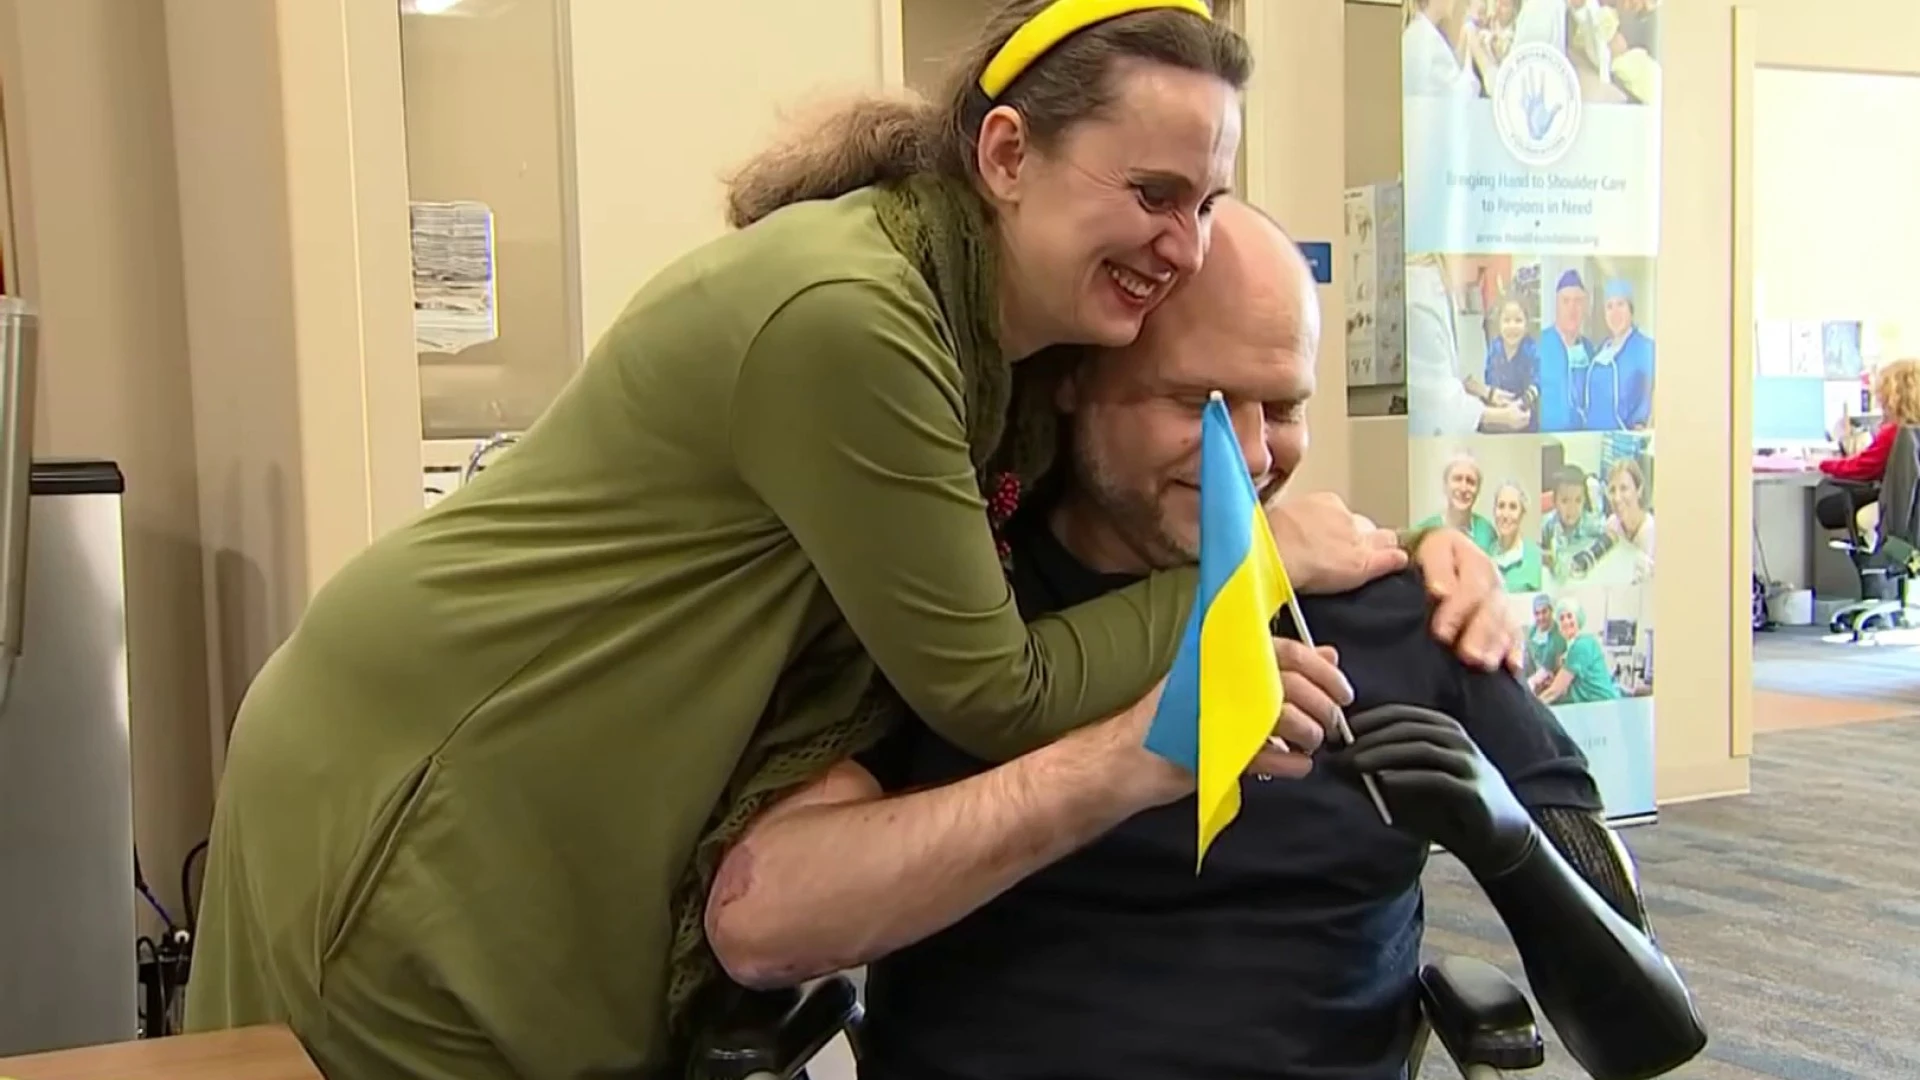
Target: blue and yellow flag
(1223,693)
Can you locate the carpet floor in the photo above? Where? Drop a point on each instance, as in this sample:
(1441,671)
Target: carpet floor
(1799,660)
(1794,912)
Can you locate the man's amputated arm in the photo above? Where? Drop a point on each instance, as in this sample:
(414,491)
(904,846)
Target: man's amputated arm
(839,875)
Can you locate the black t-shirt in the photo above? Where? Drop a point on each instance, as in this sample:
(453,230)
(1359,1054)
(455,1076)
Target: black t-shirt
(1291,956)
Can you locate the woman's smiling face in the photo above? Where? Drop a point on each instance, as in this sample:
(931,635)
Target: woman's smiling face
(1508,508)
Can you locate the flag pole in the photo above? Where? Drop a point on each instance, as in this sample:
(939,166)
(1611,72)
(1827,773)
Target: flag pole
(1340,715)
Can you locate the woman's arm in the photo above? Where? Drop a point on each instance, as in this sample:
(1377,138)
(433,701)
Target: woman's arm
(1556,687)
(1868,464)
(848,421)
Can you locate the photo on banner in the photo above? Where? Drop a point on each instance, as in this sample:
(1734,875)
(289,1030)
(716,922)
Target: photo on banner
(1589,655)
(1532,125)
(1489,488)
(1472,340)
(1599,345)
(1531,218)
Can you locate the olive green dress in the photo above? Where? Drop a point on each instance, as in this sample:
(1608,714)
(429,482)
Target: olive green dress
(456,798)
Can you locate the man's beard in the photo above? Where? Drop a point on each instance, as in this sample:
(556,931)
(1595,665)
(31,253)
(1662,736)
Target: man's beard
(1137,517)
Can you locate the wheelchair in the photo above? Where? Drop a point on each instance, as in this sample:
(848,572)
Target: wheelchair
(1481,1018)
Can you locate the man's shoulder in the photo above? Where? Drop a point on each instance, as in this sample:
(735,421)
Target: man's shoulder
(1381,611)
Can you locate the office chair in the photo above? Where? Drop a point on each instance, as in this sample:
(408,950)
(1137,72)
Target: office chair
(1888,560)
(1483,1021)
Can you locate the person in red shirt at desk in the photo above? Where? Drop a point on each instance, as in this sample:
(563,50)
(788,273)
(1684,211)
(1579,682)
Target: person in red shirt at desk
(1896,386)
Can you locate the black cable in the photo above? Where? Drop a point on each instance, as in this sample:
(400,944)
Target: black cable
(153,1003)
(146,893)
(186,885)
(163,964)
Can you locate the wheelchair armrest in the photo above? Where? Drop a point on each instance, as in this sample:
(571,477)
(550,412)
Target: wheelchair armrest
(1481,1017)
(775,1033)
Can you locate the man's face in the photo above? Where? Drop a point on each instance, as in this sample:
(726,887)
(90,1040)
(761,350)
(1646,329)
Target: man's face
(1543,618)
(1135,417)
(1570,310)
(1463,485)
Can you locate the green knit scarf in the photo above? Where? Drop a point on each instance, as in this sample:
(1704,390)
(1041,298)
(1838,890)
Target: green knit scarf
(943,229)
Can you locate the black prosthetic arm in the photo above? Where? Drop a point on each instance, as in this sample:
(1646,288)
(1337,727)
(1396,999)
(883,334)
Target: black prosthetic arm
(1617,1002)
(1595,852)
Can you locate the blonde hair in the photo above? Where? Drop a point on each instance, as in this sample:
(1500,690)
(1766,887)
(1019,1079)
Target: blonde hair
(1629,468)
(1897,387)
(1459,458)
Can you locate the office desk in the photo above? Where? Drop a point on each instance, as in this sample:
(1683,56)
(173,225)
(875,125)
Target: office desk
(257,1053)
(1790,546)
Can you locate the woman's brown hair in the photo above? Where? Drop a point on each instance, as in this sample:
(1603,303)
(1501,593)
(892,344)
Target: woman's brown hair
(875,140)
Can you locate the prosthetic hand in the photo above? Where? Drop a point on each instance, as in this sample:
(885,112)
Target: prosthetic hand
(1617,1002)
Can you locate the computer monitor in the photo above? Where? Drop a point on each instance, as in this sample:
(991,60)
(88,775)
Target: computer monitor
(1790,413)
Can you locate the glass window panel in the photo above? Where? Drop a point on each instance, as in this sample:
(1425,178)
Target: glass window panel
(485,84)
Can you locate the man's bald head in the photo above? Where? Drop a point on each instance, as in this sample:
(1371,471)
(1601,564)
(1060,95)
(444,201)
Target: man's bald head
(1248,326)
(1255,284)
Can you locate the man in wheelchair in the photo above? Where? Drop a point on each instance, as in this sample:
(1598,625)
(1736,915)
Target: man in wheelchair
(1043,918)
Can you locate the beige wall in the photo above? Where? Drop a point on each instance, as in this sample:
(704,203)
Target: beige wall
(931,32)
(1839,35)
(212,223)
(486,119)
(1702,683)
(1827,243)
(92,170)
(1296,170)
(667,98)
(1372,82)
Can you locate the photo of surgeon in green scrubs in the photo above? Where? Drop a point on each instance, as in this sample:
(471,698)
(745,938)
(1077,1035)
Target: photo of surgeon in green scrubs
(1584,674)
(1513,551)
(1545,646)
(1460,482)
(1585,645)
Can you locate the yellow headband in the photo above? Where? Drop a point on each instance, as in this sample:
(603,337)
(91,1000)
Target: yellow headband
(1056,23)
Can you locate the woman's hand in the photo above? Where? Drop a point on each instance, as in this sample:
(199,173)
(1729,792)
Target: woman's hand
(1470,612)
(1315,694)
(1327,547)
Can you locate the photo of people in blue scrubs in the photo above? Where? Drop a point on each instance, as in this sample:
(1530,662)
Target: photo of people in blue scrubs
(1596,357)
(1586,645)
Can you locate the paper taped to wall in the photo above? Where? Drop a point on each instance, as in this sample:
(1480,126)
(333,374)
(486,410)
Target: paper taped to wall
(453,276)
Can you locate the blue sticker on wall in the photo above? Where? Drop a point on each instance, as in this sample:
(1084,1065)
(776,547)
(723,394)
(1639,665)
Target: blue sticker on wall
(1319,255)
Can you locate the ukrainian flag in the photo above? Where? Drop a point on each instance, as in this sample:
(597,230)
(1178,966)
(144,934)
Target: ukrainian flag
(1223,694)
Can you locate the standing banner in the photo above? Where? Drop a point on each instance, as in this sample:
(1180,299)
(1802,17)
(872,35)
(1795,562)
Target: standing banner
(1531,221)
